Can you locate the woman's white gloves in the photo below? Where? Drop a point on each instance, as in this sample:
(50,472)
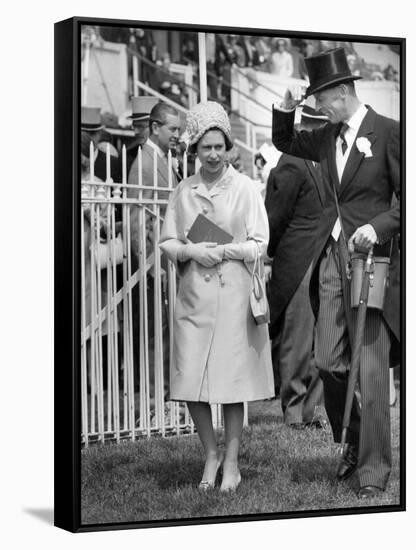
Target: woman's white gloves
(246,251)
(206,254)
(210,254)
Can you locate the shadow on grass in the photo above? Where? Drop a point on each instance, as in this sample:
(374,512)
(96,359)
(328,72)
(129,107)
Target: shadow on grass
(266,419)
(306,470)
(265,412)
(178,474)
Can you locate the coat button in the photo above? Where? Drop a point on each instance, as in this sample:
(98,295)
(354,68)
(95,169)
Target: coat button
(207,278)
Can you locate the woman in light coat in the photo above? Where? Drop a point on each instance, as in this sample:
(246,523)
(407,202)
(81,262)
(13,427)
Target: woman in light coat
(220,355)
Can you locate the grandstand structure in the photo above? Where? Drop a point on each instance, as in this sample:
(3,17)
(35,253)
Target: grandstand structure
(114,71)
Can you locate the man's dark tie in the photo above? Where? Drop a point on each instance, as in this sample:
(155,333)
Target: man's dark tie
(344,144)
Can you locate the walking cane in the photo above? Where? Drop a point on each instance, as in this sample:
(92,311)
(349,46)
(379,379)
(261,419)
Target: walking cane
(356,352)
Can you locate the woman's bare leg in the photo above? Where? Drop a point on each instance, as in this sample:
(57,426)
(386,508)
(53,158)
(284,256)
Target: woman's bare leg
(233,424)
(201,415)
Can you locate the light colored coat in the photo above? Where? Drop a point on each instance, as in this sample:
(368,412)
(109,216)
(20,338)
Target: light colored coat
(220,355)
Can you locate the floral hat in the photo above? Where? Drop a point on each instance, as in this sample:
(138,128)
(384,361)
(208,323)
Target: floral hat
(204,116)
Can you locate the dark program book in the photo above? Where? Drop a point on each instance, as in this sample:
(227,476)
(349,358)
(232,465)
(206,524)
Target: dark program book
(204,230)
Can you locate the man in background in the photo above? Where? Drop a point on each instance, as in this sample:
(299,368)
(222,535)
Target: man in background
(141,107)
(164,131)
(294,205)
(91,122)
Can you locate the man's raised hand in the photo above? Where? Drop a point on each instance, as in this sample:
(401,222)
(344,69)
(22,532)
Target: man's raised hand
(293,96)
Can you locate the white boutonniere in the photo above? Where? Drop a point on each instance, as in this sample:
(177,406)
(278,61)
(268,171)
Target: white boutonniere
(364,146)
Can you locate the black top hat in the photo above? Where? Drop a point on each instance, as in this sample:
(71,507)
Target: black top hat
(328,69)
(91,119)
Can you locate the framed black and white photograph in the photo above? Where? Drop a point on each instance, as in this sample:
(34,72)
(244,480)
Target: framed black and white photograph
(229,274)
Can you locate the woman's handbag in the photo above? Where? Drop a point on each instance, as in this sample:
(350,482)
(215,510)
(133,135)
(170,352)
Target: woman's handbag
(258,298)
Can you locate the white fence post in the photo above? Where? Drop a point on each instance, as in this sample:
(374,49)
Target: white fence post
(84,340)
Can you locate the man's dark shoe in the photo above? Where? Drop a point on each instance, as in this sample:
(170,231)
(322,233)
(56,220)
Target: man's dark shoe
(369,491)
(348,463)
(318,424)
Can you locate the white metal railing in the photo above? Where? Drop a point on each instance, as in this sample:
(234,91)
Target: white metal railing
(187,74)
(161,97)
(240,104)
(126,307)
(251,150)
(185,71)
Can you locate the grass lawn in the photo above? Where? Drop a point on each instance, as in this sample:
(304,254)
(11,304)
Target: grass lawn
(282,470)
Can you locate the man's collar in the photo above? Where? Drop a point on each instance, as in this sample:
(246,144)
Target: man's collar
(156,148)
(355,121)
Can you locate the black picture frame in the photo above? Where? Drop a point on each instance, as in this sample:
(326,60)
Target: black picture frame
(67,274)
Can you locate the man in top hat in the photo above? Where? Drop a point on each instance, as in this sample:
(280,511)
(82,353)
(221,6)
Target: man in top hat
(359,152)
(91,122)
(294,203)
(91,119)
(141,107)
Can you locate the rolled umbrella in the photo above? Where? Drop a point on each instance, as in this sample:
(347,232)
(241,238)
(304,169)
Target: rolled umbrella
(356,350)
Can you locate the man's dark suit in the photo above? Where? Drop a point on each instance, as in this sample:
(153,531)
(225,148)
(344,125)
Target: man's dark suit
(294,205)
(365,196)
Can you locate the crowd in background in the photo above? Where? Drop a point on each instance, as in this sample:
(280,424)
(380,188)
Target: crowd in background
(280,56)
(224,52)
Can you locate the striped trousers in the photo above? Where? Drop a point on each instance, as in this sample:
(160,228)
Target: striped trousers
(370,419)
